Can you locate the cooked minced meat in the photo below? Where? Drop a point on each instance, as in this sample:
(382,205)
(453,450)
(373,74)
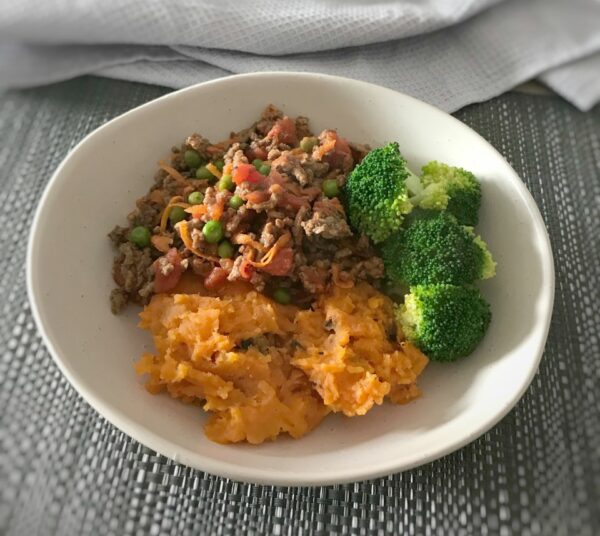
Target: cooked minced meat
(315,278)
(328,220)
(249,208)
(132,271)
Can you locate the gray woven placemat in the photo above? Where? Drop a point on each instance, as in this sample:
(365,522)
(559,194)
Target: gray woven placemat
(64,470)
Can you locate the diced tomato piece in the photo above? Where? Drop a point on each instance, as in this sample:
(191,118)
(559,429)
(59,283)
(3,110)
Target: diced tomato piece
(341,156)
(257,197)
(246,172)
(335,150)
(240,173)
(281,264)
(246,269)
(274,177)
(293,201)
(284,130)
(256,152)
(216,278)
(165,283)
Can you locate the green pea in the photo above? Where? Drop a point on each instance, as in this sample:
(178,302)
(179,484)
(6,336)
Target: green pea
(212,231)
(196,198)
(307,143)
(331,188)
(226,183)
(219,164)
(225,249)
(236,202)
(140,236)
(203,174)
(192,158)
(282,296)
(265,169)
(257,162)
(176,215)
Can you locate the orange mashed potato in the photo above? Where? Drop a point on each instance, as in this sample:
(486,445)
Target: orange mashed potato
(349,350)
(262,369)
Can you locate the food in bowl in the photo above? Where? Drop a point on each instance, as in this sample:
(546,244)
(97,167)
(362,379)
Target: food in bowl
(286,275)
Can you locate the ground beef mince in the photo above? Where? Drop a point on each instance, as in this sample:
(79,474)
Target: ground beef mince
(267,119)
(293,167)
(132,271)
(302,127)
(257,214)
(198,144)
(118,235)
(315,278)
(328,220)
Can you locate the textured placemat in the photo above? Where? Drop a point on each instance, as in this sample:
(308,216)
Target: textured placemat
(64,470)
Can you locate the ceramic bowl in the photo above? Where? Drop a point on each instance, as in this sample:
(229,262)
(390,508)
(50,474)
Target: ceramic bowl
(69,281)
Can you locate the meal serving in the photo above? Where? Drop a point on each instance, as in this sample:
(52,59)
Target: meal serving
(286,275)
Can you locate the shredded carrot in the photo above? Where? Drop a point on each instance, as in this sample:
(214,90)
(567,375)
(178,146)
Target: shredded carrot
(161,242)
(270,255)
(197,210)
(217,210)
(176,201)
(171,171)
(228,169)
(246,240)
(214,170)
(184,233)
(335,275)
(322,150)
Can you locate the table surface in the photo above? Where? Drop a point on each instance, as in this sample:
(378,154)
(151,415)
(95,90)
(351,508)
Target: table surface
(65,470)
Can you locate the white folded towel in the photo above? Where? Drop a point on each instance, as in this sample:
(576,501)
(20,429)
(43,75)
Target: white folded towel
(447,52)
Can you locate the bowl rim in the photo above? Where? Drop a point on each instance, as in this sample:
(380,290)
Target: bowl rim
(257,475)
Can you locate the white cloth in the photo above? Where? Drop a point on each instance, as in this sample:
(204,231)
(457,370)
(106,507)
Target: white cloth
(447,52)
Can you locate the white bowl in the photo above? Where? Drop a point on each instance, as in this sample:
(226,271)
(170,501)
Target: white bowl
(69,264)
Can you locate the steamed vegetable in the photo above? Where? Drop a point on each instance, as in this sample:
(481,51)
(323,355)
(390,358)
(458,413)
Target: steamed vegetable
(444,321)
(436,249)
(443,187)
(376,194)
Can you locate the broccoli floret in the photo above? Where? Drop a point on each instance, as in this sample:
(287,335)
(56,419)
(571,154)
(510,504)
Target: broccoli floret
(445,321)
(436,249)
(376,195)
(443,187)
(488,265)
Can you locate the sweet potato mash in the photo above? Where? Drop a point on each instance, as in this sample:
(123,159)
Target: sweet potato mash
(262,369)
